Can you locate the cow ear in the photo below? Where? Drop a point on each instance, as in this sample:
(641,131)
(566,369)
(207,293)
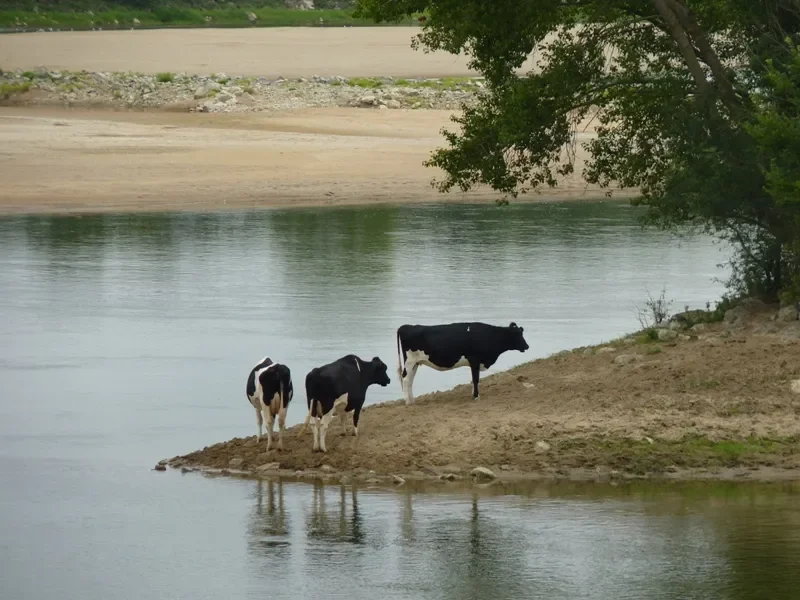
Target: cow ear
(513,325)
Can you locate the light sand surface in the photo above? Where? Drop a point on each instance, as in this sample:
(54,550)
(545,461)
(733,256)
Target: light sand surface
(59,160)
(267,52)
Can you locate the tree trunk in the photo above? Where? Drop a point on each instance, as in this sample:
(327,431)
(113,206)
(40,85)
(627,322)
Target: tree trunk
(684,45)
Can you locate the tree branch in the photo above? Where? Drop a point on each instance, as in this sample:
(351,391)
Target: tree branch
(685,47)
(707,53)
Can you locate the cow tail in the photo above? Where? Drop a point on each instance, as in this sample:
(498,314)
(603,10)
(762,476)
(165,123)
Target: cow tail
(283,392)
(399,360)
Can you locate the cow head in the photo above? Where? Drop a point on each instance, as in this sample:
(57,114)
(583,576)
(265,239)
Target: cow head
(516,341)
(380,373)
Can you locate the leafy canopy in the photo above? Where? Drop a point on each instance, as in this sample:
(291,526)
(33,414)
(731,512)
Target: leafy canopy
(695,104)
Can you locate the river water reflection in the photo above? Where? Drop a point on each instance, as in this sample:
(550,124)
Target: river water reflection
(550,541)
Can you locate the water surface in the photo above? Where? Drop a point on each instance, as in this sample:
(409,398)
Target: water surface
(128,338)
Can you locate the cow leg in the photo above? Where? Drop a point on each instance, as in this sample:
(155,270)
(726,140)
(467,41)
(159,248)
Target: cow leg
(326,420)
(315,431)
(259,420)
(408,382)
(270,422)
(345,416)
(356,416)
(281,426)
(475,367)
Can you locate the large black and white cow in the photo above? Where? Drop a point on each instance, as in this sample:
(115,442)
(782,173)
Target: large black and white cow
(445,347)
(269,390)
(343,382)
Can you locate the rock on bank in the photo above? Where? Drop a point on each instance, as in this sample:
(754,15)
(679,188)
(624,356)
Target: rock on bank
(223,93)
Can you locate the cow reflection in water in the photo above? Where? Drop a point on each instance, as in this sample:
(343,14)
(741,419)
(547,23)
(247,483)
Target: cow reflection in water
(341,527)
(269,525)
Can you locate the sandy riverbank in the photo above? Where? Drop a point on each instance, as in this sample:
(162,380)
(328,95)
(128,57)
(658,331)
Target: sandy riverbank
(75,160)
(270,52)
(718,401)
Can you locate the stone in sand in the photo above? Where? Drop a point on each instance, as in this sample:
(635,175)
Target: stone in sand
(482,473)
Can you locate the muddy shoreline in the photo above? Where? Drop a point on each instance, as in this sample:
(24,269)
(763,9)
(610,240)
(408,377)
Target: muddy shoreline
(694,401)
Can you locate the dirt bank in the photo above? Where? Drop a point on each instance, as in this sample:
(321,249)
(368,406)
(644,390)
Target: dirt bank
(62,160)
(714,401)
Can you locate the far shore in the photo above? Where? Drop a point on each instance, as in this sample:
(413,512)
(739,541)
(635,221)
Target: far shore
(61,161)
(111,121)
(700,398)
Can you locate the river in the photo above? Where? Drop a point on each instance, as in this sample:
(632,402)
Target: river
(128,338)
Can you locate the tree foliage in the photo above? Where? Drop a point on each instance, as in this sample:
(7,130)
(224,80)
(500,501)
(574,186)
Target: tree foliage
(695,103)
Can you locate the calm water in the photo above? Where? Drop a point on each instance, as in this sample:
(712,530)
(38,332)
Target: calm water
(126,339)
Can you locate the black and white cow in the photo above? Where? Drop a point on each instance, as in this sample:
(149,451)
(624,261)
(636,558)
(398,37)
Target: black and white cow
(269,390)
(446,347)
(343,382)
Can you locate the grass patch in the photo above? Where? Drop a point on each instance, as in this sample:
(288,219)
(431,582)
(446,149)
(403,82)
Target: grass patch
(248,90)
(443,84)
(173,16)
(10,89)
(641,457)
(654,350)
(165,77)
(365,82)
(703,384)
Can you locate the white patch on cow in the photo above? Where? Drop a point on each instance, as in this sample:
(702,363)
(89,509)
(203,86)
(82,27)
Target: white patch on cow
(275,403)
(467,328)
(358,365)
(415,358)
(258,394)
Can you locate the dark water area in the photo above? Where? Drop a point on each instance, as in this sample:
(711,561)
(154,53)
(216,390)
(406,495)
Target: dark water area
(128,338)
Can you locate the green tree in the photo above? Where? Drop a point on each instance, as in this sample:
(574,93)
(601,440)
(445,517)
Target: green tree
(696,106)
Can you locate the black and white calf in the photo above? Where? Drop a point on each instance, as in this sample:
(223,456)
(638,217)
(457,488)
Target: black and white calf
(446,347)
(269,390)
(343,382)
